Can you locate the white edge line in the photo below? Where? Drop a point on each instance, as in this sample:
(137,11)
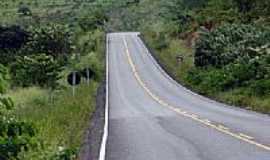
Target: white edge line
(102,152)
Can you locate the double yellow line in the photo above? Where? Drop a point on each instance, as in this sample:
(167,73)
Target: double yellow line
(220,128)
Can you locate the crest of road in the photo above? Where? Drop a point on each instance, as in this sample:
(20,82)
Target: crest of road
(151,117)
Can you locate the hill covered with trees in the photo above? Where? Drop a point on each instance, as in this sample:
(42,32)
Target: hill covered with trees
(223,47)
(224,44)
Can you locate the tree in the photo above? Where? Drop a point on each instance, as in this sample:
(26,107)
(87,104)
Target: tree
(217,12)
(93,20)
(12,39)
(245,6)
(39,69)
(229,43)
(53,39)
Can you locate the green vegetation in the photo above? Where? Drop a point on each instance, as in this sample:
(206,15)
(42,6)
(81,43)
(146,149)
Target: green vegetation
(219,48)
(41,42)
(61,123)
(225,50)
(52,39)
(15,134)
(229,43)
(44,69)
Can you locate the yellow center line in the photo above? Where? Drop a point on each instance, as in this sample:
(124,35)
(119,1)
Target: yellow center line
(220,128)
(246,136)
(223,127)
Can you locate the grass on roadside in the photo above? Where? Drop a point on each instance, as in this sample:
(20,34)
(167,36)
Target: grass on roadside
(239,98)
(168,56)
(61,119)
(61,122)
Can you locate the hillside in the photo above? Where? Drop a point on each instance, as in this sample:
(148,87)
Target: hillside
(218,48)
(41,42)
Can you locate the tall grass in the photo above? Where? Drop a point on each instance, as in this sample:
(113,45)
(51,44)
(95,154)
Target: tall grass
(61,122)
(61,119)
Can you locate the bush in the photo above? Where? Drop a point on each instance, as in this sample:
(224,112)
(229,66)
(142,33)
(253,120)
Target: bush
(254,73)
(161,41)
(175,12)
(11,40)
(261,87)
(12,37)
(229,43)
(65,154)
(216,12)
(239,73)
(4,77)
(93,20)
(209,81)
(15,135)
(41,70)
(54,40)
(43,153)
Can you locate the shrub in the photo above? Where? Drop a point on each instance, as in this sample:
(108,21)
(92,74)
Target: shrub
(176,12)
(4,77)
(245,5)
(12,37)
(161,41)
(41,70)
(243,73)
(261,87)
(65,154)
(229,43)
(93,20)
(239,73)
(53,39)
(209,81)
(216,12)
(194,76)
(11,40)
(43,153)
(15,135)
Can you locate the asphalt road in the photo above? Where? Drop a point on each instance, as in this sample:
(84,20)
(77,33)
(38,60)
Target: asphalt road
(151,117)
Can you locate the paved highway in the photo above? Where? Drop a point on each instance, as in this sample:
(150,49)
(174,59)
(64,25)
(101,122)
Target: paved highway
(151,117)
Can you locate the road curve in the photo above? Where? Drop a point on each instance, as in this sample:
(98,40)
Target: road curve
(151,117)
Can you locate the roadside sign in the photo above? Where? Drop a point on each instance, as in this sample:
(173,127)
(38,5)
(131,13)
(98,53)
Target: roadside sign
(87,73)
(74,78)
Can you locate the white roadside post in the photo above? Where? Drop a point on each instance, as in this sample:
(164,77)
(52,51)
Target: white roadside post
(73,84)
(74,79)
(88,76)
